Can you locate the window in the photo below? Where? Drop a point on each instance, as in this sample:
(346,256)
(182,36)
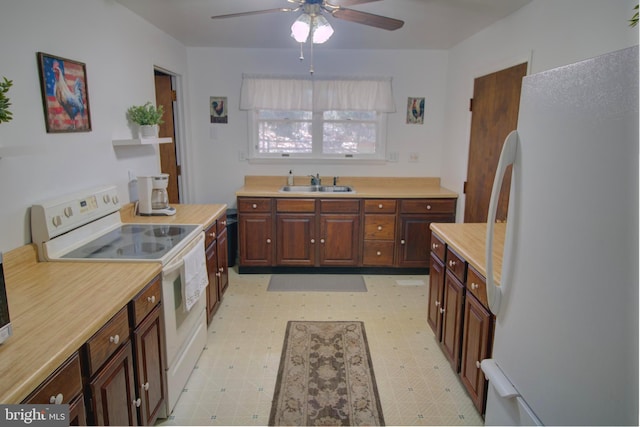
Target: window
(317,119)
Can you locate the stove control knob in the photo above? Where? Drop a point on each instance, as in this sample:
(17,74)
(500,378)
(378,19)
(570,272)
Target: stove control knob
(68,211)
(57,221)
(115,199)
(106,198)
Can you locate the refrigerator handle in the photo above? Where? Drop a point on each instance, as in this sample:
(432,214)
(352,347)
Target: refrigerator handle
(507,157)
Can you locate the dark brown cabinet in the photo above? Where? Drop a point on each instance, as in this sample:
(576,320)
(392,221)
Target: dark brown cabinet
(379,232)
(213,291)
(436,296)
(296,234)
(339,233)
(255,232)
(452,309)
(216,253)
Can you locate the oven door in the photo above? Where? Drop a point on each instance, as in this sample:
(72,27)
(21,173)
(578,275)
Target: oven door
(179,324)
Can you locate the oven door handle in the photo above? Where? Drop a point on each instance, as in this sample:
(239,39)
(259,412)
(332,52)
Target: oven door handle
(178,260)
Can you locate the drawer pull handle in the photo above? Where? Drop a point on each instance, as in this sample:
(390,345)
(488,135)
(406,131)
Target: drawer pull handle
(379,228)
(474,286)
(145,386)
(437,303)
(313,240)
(221,269)
(268,240)
(115,339)
(378,253)
(402,242)
(137,402)
(452,263)
(380,206)
(442,311)
(212,234)
(152,299)
(428,207)
(218,274)
(224,223)
(321,240)
(435,246)
(254,206)
(57,399)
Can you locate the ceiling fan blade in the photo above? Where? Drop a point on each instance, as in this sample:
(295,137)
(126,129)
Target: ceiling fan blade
(366,18)
(255,12)
(348,2)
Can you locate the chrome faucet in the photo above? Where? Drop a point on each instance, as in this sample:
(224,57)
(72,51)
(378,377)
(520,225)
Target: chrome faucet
(335,180)
(315,180)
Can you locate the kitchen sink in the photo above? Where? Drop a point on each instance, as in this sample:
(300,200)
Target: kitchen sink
(317,188)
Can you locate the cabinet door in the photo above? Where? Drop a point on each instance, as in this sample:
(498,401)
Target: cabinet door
(113,391)
(436,295)
(255,240)
(77,413)
(476,346)
(223,263)
(339,241)
(452,319)
(296,237)
(415,237)
(148,340)
(213,291)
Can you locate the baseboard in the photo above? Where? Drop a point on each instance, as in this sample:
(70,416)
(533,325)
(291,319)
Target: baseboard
(333,270)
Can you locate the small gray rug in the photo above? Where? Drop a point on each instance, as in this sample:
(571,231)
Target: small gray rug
(316,283)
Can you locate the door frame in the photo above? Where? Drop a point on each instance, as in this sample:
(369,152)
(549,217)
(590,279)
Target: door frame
(179,132)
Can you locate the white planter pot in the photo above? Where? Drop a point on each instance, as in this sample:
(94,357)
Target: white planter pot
(148,131)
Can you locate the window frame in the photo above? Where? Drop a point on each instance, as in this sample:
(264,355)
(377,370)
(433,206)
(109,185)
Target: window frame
(317,122)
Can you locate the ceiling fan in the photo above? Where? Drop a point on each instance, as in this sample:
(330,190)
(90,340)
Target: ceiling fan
(312,11)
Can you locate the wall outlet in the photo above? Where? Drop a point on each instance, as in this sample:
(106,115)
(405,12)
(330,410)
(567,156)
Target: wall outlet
(393,156)
(414,157)
(242,156)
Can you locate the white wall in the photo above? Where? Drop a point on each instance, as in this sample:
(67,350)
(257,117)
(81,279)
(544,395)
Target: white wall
(549,34)
(120,51)
(215,169)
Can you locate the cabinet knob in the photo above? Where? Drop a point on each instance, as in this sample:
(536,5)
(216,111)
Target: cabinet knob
(115,339)
(224,223)
(442,311)
(321,240)
(378,253)
(313,240)
(254,206)
(218,274)
(379,228)
(402,242)
(478,364)
(57,399)
(435,246)
(428,207)
(268,240)
(380,206)
(452,263)
(212,234)
(137,402)
(145,386)
(152,299)
(437,303)
(474,285)
(221,269)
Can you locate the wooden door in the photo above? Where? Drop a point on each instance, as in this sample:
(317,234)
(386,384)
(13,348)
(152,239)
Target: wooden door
(495,105)
(165,96)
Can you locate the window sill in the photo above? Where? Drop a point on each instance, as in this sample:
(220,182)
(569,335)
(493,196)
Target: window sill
(315,161)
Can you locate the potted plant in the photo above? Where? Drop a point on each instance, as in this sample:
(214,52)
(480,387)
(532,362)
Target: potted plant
(147,117)
(5,114)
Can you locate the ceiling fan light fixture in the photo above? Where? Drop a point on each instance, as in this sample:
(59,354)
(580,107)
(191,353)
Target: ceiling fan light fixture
(301,28)
(322,30)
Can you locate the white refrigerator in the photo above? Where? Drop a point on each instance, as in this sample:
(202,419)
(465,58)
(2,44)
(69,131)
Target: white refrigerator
(565,350)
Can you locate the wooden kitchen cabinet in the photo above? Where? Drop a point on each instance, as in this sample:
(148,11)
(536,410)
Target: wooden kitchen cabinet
(213,291)
(452,312)
(296,233)
(223,261)
(416,215)
(216,253)
(339,233)
(255,231)
(436,296)
(379,232)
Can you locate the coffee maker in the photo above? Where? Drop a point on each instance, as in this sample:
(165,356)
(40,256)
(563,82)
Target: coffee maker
(152,192)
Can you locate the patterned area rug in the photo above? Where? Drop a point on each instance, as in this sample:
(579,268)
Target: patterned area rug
(325,377)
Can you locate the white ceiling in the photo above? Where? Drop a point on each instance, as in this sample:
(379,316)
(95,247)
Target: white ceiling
(429,24)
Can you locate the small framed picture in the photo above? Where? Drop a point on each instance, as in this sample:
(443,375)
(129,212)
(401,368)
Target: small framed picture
(65,97)
(218,109)
(415,111)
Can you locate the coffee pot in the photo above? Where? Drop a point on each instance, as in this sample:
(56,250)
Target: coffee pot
(152,192)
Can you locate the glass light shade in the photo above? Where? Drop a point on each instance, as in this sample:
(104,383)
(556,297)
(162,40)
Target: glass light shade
(301,28)
(322,30)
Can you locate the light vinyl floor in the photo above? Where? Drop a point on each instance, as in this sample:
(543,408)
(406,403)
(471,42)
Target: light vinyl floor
(234,379)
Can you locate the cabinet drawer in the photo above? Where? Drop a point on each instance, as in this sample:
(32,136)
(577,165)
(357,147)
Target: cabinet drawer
(380,206)
(107,340)
(295,205)
(210,234)
(379,227)
(146,300)
(254,205)
(477,285)
(455,264)
(438,246)
(339,206)
(221,223)
(65,382)
(425,206)
(378,253)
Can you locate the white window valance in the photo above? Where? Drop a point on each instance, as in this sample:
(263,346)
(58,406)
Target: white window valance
(299,93)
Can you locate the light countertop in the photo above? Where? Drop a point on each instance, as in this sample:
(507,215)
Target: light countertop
(365,187)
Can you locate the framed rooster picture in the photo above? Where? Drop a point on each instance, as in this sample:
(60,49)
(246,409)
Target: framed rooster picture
(218,109)
(415,111)
(64,94)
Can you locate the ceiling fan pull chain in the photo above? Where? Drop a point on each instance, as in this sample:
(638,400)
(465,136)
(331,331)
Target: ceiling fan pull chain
(301,52)
(311,69)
